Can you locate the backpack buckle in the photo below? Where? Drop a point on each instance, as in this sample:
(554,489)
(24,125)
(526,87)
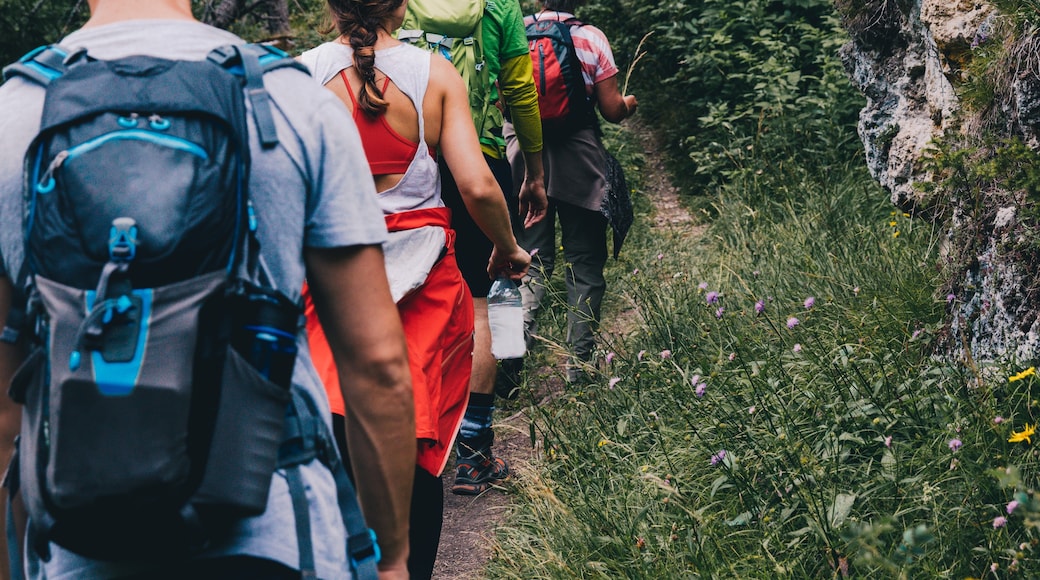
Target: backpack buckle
(363,547)
(122,240)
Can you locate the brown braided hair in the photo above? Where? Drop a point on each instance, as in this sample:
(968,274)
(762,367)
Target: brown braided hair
(359,22)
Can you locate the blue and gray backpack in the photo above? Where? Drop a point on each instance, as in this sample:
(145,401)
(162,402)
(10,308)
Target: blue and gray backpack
(157,395)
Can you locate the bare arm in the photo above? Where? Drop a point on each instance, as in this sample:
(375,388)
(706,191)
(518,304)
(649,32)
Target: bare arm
(352,298)
(614,107)
(11,357)
(479,190)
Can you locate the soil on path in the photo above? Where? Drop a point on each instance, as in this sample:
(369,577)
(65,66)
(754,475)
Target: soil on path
(470,521)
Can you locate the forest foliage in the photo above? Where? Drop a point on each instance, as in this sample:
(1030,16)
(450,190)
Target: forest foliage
(731,83)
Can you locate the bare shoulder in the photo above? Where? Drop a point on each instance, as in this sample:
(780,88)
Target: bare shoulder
(444,78)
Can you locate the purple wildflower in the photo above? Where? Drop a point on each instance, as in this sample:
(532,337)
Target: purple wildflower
(660,256)
(613,382)
(702,286)
(640,355)
(732,356)
(809,302)
(760,307)
(915,334)
(711,297)
(998,420)
(950,298)
(792,322)
(999,522)
(718,457)
(1011,506)
(636,271)
(695,379)
(610,357)
(701,388)
(666,354)
(954,444)
(719,311)
(888,441)
(797,347)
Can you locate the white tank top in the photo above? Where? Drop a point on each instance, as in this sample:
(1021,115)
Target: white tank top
(408,67)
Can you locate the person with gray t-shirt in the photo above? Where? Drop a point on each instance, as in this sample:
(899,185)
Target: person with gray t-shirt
(319,219)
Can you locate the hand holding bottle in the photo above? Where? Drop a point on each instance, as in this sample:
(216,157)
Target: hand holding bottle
(513,265)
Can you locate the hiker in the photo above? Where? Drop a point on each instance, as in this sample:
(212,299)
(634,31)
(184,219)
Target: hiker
(575,180)
(409,105)
(504,75)
(316,214)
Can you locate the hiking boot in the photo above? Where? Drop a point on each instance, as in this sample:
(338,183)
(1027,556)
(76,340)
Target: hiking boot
(507,378)
(477,473)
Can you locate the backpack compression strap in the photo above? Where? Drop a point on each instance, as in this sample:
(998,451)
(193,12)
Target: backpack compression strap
(42,65)
(251,61)
(441,42)
(306,438)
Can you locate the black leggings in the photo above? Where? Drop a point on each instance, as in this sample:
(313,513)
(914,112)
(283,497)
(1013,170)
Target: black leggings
(427,513)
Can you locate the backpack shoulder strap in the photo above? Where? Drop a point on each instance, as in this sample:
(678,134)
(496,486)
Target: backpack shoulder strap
(41,65)
(251,62)
(306,438)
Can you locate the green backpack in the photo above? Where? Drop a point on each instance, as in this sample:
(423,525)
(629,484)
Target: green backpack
(452,28)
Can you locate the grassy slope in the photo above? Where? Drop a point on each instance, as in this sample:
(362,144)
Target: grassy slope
(846,446)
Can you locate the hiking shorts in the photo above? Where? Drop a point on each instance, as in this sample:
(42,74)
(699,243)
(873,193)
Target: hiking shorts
(472,247)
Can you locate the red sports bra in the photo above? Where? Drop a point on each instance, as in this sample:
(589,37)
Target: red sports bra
(387,150)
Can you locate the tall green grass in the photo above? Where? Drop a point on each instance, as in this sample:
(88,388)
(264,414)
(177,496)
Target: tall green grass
(775,409)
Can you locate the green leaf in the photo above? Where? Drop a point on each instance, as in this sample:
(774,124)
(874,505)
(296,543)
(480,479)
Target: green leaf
(741,520)
(841,508)
(888,465)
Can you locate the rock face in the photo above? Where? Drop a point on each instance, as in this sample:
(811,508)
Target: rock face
(907,74)
(909,57)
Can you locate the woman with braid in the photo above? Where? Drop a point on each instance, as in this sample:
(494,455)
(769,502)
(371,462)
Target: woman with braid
(408,104)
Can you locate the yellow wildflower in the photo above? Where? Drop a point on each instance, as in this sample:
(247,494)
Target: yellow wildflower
(1023,435)
(893,223)
(602,442)
(895,235)
(1026,373)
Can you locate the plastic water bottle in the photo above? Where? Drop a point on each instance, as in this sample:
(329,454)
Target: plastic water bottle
(506,317)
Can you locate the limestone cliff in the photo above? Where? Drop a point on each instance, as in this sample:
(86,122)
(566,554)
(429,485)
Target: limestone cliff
(923,65)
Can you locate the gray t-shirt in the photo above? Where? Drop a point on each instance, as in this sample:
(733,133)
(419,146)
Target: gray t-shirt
(313,190)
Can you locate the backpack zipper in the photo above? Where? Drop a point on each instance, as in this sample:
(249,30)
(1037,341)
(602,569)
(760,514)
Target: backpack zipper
(541,66)
(46,183)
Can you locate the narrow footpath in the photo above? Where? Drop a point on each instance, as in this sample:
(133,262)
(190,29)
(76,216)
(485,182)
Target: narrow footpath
(470,522)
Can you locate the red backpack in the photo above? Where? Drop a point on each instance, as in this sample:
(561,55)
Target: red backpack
(563,103)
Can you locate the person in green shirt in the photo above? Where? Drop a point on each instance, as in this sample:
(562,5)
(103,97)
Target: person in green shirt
(512,85)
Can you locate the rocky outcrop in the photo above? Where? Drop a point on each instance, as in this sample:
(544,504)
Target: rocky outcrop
(910,58)
(908,76)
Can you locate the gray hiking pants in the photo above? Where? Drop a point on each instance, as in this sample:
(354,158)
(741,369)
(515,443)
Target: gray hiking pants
(574,170)
(584,235)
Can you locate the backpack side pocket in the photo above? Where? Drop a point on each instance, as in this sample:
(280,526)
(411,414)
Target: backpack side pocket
(244,451)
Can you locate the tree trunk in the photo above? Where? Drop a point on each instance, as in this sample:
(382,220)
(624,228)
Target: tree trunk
(272,16)
(226,12)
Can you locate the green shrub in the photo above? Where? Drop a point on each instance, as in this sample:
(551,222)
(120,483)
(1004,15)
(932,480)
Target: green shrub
(737,87)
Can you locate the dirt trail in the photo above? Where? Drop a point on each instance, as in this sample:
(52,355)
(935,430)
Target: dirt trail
(470,522)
